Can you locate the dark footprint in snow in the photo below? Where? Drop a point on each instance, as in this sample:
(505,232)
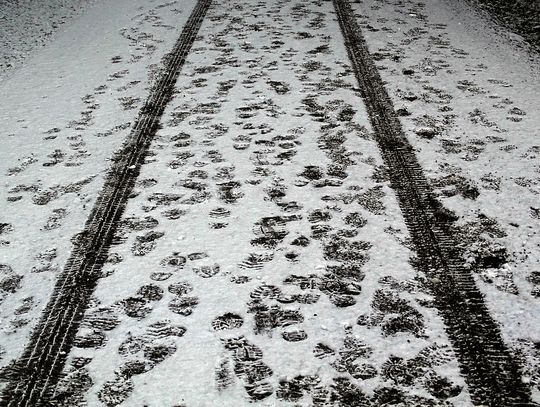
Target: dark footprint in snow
(141,354)
(265,292)
(534,279)
(294,336)
(136,307)
(27,305)
(242,142)
(219,213)
(44,197)
(156,345)
(272,230)
(295,389)
(249,367)
(9,281)
(173,214)
(147,183)
(25,162)
(200,174)
(301,241)
(56,157)
(116,391)
(90,339)
(319,215)
(228,191)
(102,319)
(162,199)
(440,387)
(280,88)
(150,292)
(223,374)
(207,271)
(342,250)
(5,228)
(146,243)
(180,289)
(183,305)
(174,262)
(320,231)
(312,173)
(394,315)
(197,256)
(138,223)
(355,219)
(55,219)
(256,261)
(160,276)
(268,318)
(45,260)
(322,351)
(240,279)
(117,75)
(227,321)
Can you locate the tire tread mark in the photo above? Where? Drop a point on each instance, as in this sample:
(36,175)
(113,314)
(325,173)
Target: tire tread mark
(32,378)
(493,375)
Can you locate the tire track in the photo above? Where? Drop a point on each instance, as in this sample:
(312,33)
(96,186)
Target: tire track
(492,373)
(43,359)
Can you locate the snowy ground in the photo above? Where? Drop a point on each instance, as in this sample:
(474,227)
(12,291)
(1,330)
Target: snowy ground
(263,258)
(446,68)
(27,25)
(64,114)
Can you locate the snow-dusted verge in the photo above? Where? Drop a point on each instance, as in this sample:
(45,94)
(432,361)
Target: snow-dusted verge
(521,16)
(468,99)
(62,116)
(27,25)
(264,257)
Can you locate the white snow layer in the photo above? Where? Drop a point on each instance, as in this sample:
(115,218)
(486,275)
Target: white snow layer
(230,282)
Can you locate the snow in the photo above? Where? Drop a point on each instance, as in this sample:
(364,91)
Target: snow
(219,156)
(489,79)
(26,25)
(67,102)
(184,312)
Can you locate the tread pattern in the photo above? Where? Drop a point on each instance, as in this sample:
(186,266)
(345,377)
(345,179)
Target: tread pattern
(491,372)
(36,372)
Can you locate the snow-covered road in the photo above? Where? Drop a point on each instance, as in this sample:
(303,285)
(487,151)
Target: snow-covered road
(263,256)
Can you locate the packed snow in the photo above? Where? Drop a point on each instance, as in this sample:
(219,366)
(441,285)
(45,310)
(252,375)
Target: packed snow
(263,258)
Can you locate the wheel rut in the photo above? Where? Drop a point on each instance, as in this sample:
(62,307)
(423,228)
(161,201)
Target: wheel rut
(50,343)
(492,373)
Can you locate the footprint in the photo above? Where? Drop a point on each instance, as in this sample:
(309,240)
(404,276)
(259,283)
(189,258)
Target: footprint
(55,219)
(136,307)
(207,271)
(146,243)
(150,292)
(319,215)
(183,305)
(174,262)
(116,391)
(256,261)
(9,281)
(138,223)
(219,213)
(228,191)
(224,377)
(249,367)
(295,335)
(394,315)
(227,321)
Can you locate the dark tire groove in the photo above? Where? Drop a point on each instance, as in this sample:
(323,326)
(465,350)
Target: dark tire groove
(493,375)
(35,374)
